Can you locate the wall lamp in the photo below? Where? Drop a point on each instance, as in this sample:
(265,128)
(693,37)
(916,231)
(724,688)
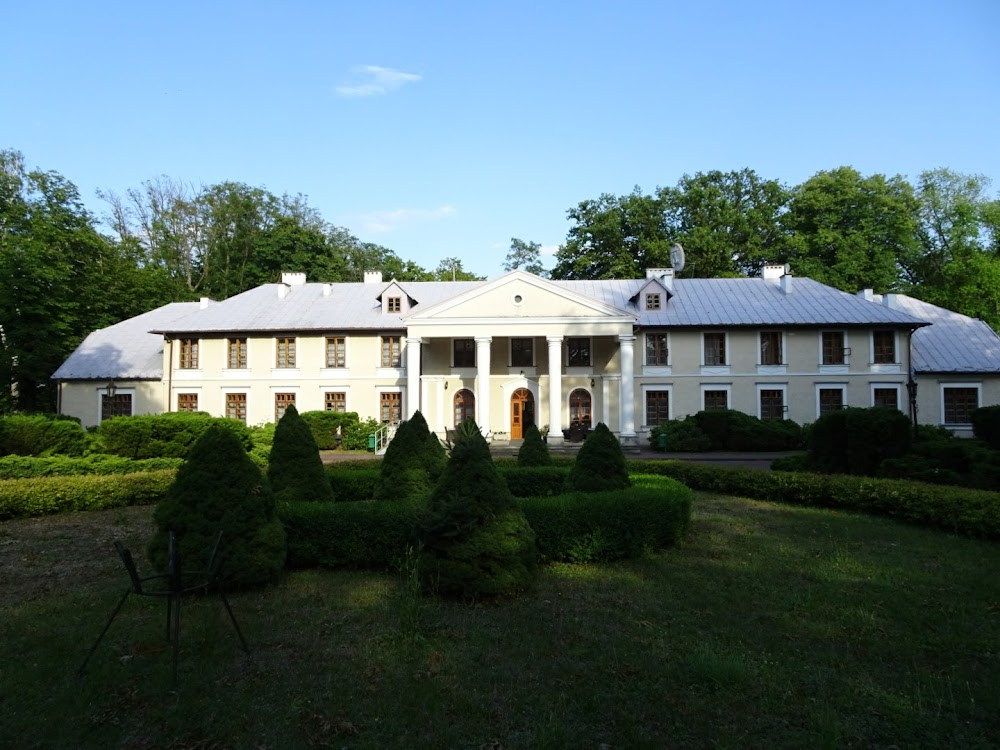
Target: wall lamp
(110,389)
(446,385)
(592,383)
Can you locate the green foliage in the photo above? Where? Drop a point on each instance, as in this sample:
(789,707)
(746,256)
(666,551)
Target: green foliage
(37,496)
(169,435)
(850,231)
(728,430)
(22,467)
(966,463)
(326,426)
(220,489)
(412,462)
(475,540)
(37,435)
(968,512)
(683,435)
(350,484)
(349,534)
(261,440)
(600,464)
(533,451)
(594,526)
(534,481)
(856,441)
(295,470)
(524,255)
(356,434)
(986,425)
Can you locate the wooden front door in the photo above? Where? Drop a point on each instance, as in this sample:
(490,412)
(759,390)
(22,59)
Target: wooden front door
(522,413)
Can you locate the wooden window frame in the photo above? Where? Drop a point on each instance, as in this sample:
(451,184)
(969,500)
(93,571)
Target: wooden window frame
(336,352)
(188,354)
(654,301)
(236,402)
(335,401)
(714,344)
(528,361)
(463,406)
(281,403)
(833,348)
(884,348)
(391,351)
(187,402)
(772,408)
(394,304)
(660,399)
(952,411)
(462,354)
(657,349)
(391,401)
(705,398)
(771,348)
(236,353)
(284,352)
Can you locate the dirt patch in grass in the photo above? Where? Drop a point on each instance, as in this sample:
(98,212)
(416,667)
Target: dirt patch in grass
(52,555)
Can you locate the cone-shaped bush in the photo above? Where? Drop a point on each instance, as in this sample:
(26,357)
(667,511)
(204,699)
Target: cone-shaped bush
(295,469)
(475,539)
(413,462)
(600,464)
(533,451)
(220,489)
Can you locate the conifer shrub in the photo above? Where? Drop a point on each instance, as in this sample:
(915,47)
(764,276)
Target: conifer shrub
(220,489)
(475,540)
(295,470)
(533,451)
(986,425)
(600,464)
(412,464)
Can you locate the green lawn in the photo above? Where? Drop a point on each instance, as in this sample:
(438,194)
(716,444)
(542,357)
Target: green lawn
(769,627)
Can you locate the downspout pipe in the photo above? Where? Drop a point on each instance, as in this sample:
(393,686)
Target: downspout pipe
(911,383)
(170,376)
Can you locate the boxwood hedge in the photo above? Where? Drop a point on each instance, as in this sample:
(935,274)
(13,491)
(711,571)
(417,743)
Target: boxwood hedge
(974,513)
(24,467)
(577,528)
(37,496)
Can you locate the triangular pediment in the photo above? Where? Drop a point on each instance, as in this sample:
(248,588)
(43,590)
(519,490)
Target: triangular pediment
(520,296)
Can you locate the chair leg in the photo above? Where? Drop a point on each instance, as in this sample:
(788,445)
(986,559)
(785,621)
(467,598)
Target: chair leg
(103,632)
(232,617)
(176,607)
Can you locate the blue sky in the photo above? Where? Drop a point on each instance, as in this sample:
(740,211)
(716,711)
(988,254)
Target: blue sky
(445,129)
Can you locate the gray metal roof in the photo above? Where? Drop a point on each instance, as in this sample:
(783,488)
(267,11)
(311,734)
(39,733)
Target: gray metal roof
(954,343)
(701,303)
(126,350)
(695,303)
(305,308)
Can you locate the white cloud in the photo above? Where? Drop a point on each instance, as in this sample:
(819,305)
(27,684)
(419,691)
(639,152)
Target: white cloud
(373,80)
(548,251)
(387,221)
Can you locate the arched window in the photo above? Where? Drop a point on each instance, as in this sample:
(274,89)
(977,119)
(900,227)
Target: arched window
(579,409)
(465,406)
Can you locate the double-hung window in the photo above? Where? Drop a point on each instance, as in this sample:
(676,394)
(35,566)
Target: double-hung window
(833,348)
(392,351)
(285,352)
(236,353)
(464,352)
(883,347)
(336,351)
(657,354)
(522,352)
(189,354)
(770,348)
(715,348)
(579,352)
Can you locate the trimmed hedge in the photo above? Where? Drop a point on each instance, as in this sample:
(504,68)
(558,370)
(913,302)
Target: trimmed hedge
(986,425)
(973,513)
(38,496)
(326,426)
(622,524)
(574,528)
(728,430)
(352,534)
(25,467)
(168,435)
(354,484)
(534,481)
(36,435)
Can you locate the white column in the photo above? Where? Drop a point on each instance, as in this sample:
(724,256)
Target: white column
(555,388)
(412,376)
(483,383)
(627,405)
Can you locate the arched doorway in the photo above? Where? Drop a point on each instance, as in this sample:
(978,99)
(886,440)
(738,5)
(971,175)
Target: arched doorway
(522,413)
(580,409)
(465,406)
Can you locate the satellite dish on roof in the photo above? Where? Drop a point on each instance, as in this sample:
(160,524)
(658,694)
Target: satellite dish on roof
(677,257)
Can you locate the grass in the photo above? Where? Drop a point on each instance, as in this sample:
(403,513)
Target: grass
(771,627)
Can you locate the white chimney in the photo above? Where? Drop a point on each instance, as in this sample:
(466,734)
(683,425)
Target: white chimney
(868,295)
(282,291)
(665,275)
(772,271)
(204,303)
(293,278)
(327,289)
(373,277)
(891,301)
(786,283)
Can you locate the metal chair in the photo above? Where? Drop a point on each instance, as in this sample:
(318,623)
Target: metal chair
(172,585)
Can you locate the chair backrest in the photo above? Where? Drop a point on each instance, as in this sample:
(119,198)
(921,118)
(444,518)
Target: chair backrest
(129,563)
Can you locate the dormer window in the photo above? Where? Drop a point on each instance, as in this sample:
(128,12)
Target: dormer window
(394,304)
(653,301)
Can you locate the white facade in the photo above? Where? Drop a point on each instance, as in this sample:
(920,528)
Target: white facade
(629,353)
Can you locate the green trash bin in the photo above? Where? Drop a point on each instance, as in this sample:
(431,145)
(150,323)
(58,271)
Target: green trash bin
(371,441)
(661,441)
